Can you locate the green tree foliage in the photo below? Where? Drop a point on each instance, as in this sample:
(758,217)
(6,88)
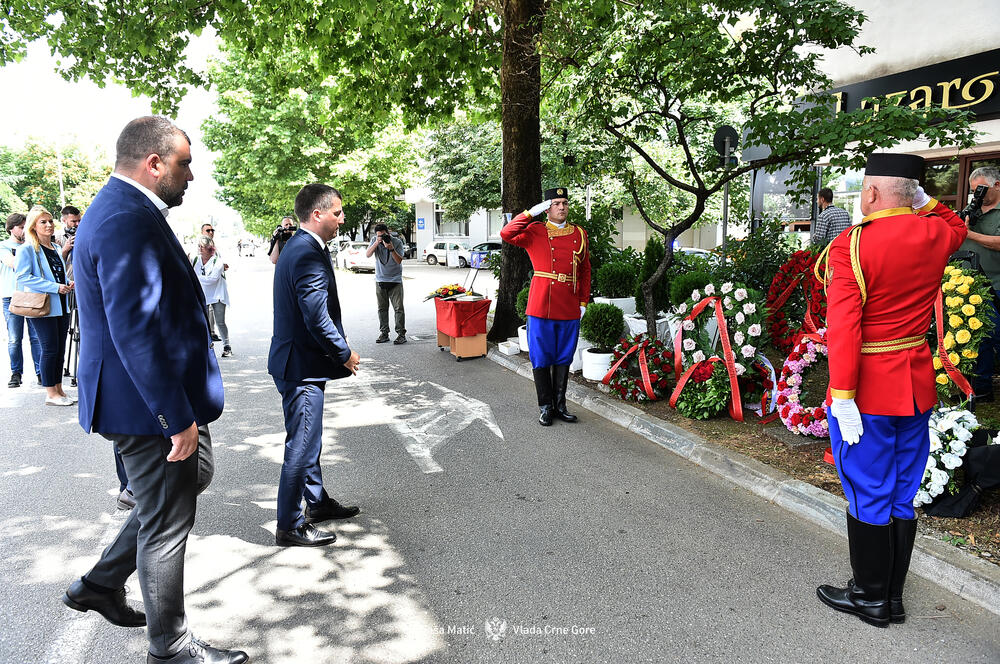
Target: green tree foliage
(271,143)
(755,260)
(662,72)
(463,169)
(31,174)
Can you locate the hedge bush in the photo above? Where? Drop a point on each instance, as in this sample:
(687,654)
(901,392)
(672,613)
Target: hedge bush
(521,306)
(602,325)
(682,285)
(650,261)
(617,279)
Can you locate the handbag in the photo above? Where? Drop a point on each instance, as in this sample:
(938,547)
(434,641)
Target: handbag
(29,305)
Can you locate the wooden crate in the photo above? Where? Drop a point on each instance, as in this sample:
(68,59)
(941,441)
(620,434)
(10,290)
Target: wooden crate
(468,346)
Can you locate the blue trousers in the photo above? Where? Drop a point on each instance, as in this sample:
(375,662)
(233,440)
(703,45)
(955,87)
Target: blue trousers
(51,332)
(301,475)
(552,342)
(882,472)
(15,336)
(983,382)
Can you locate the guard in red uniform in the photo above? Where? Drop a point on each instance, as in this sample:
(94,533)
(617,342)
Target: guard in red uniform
(560,290)
(883,276)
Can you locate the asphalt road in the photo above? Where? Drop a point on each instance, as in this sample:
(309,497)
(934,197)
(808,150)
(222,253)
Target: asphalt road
(483,537)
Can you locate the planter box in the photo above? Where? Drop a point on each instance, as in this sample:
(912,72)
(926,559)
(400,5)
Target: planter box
(626,304)
(596,365)
(509,347)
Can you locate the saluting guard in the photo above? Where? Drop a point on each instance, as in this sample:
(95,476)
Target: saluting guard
(560,290)
(882,277)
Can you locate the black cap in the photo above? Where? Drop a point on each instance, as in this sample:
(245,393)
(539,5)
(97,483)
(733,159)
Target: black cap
(555,192)
(895,165)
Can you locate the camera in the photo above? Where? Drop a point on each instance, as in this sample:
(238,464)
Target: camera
(70,231)
(974,210)
(283,233)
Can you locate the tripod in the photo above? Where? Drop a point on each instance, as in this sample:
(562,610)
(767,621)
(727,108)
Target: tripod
(73,347)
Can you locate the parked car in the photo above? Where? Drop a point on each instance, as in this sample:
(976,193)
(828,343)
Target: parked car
(491,248)
(351,256)
(437,252)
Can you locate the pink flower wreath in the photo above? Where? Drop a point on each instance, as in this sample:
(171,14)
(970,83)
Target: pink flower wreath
(800,418)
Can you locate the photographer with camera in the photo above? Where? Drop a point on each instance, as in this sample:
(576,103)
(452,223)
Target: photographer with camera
(70,217)
(279,237)
(982,216)
(388,251)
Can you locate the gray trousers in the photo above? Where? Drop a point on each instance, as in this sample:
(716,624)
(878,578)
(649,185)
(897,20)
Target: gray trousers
(154,537)
(217,316)
(386,292)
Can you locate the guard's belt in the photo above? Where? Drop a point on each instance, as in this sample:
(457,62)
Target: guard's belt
(892,345)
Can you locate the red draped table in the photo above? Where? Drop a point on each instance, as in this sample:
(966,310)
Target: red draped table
(461,326)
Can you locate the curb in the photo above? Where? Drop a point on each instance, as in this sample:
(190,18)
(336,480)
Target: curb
(965,575)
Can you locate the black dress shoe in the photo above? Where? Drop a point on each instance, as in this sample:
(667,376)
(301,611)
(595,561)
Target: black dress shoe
(110,605)
(330,509)
(216,337)
(199,652)
(15,380)
(305,535)
(126,500)
(382,339)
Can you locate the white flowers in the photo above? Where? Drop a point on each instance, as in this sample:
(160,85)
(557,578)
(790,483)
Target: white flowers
(710,289)
(695,295)
(754,331)
(740,369)
(741,294)
(698,356)
(727,287)
(728,303)
(740,318)
(949,430)
(682,308)
(738,338)
(688,325)
(748,351)
(749,308)
(689,344)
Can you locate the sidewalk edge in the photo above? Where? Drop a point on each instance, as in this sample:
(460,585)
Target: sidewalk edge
(965,575)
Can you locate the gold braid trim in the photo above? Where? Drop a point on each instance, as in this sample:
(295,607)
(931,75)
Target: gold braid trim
(892,345)
(859,276)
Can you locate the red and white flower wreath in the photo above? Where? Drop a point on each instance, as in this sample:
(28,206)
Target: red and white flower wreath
(798,417)
(626,378)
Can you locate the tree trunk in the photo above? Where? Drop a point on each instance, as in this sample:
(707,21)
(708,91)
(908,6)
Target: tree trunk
(520,89)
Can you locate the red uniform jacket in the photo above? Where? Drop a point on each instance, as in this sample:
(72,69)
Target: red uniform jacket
(561,252)
(882,281)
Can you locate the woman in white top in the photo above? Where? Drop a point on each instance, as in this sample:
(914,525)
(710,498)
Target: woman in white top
(212,275)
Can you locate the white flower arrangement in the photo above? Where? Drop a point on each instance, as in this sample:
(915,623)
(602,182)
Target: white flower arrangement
(696,296)
(741,294)
(688,325)
(710,289)
(740,318)
(950,429)
(689,344)
(749,308)
(698,356)
(738,338)
(754,330)
(727,288)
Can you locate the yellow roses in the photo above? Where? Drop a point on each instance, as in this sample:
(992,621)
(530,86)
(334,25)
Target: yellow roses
(975,323)
(968,310)
(963,336)
(975,299)
(955,321)
(942,379)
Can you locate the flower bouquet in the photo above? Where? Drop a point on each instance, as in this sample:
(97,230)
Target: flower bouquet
(796,301)
(797,416)
(950,429)
(627,382)
(446,291)
(967,322)
(706,392)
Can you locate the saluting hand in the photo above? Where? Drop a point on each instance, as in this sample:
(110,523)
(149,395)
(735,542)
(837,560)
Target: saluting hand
(540,208)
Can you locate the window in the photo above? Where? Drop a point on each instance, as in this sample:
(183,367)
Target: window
(445,228)
(941,181)
(495,222)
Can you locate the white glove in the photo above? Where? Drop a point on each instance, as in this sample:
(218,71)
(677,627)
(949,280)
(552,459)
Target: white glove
(583,310)
(540,208)
(849,419)
(920,198)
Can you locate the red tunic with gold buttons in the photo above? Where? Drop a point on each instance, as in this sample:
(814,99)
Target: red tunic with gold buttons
(561,261)
(882,277)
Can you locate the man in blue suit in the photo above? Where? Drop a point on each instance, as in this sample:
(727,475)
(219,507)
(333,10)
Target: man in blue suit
(308,348)
(148,382)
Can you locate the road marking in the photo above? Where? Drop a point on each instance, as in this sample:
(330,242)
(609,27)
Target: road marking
(424,414)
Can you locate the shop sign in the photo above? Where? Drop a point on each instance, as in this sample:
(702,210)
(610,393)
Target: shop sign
(971,83)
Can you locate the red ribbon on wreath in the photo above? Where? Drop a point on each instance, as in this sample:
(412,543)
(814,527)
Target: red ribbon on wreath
(805,280)
(647,386)
(735,403)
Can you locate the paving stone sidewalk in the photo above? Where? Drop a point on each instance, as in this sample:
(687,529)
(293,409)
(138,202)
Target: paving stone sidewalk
(963,574)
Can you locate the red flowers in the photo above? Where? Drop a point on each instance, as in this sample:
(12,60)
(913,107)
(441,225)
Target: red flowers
(794,287)
(702,372)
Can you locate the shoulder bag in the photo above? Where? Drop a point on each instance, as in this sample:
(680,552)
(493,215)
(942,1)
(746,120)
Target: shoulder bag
(29,305)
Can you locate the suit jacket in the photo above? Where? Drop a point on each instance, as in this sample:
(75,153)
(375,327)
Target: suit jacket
(556,251)
(884,278)
(34,275)
(146,366)
(308,340)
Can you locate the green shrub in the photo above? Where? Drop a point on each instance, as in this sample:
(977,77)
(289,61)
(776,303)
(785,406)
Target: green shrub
(755,260)
(616,279)
(521,306)
(680,289)
(602,325)
(650,261)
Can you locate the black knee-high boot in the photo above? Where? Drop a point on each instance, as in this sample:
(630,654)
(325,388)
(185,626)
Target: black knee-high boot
(543,388)
(867,596)
(560,378)
(904,532)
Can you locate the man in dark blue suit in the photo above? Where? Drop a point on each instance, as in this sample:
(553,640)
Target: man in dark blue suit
(149,382)
(308,348)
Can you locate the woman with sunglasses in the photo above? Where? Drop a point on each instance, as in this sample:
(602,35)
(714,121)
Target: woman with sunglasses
(211,273)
